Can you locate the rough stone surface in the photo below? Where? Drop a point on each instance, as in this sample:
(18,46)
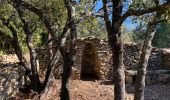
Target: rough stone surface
(8,58)
(10,75)
(166,58)
(102,58)
(10,80)
(152,76)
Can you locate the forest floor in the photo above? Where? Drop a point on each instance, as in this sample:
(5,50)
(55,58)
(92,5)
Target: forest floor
(103,90)
(80,90)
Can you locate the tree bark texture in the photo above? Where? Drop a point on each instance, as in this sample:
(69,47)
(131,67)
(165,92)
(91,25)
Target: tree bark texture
(144,57)
(140,82)
(36,81)
(115,42)
(29,41)
(70,54)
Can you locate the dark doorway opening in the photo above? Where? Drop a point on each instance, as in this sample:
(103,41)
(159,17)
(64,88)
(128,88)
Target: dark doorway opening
(89,67)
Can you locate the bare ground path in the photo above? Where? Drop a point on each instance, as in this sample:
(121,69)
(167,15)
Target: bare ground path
(99,90)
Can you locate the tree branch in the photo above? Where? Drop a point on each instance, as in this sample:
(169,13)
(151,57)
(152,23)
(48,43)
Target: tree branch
(106,16)
(157,21)
(131,12)
(38,12)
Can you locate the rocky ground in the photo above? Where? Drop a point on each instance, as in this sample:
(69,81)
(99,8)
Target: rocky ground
(103,90)
(80,90)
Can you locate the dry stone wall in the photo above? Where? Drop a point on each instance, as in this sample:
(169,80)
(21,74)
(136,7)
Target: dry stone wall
(166,58)
(11,58)
(103,58)
(11,79)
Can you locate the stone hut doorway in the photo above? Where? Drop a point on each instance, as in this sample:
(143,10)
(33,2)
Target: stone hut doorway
(90,67)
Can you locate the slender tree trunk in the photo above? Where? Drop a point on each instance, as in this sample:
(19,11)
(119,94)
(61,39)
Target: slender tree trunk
(50,55)
(29,40)
(144,57)
(70,55)
(20,56)
(50,48)
(65,78)
(69,59)
(17,48)
(36,81)
(140,82)
(51,68)
(58,51)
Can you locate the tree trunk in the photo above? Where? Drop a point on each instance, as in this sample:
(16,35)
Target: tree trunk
(17,48)
(19,53)
(114,36)
(140,82)
(118,66)
(59,51)
(54,59)
(65,78)
(50,69)
(29,40)
(70,55)
(50,47)
(50,55)
(69,59)
(36,81)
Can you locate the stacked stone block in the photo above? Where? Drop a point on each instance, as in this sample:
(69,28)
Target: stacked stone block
(104,60)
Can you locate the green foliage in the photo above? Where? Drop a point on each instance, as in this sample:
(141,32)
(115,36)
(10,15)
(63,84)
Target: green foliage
(6,11)
(88,25)
(162,36)
(160,40)
(126,35)
(138,34)
(55,11)
(91,27)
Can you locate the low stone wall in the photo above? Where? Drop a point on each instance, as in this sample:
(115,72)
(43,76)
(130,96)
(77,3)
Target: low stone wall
(103,68)
(159,58)
(166,58)
(152,76)
(132,55)
(10,80)
(11,58)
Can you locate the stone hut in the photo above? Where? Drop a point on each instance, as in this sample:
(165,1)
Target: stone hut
(93,59)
